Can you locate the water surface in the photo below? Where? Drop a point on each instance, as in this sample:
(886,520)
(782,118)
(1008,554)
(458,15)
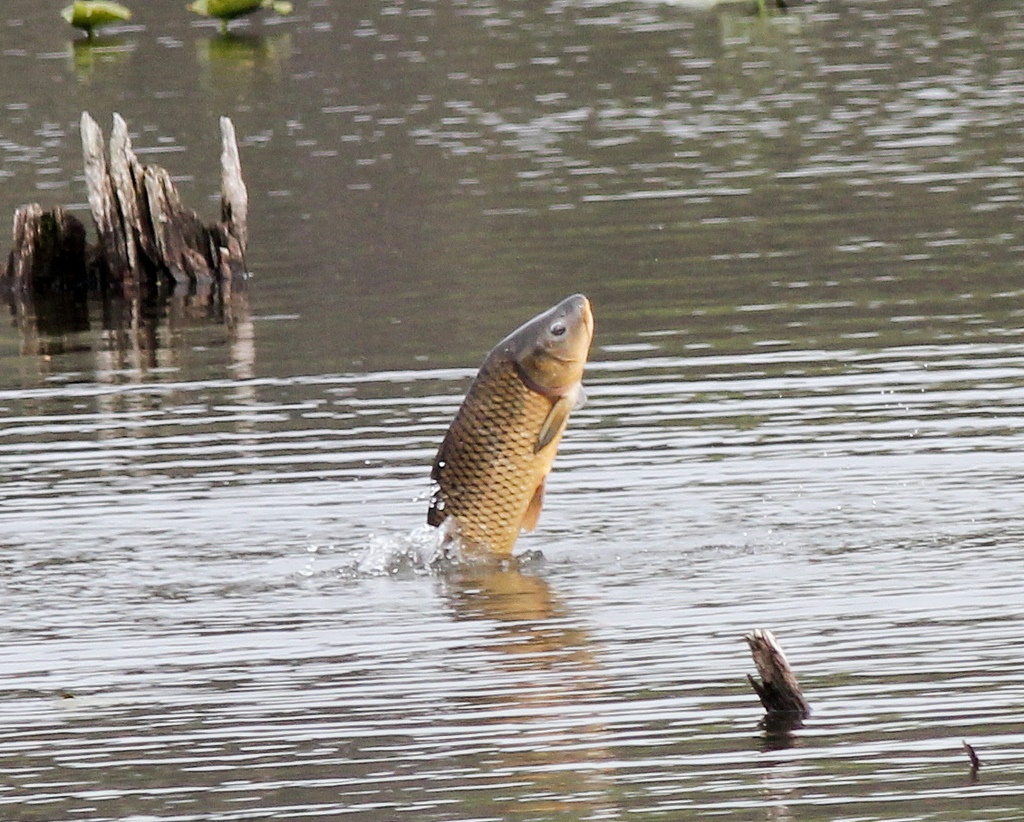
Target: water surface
(801,235)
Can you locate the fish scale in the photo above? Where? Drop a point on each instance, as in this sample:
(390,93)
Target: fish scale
(490,469)
(487,462)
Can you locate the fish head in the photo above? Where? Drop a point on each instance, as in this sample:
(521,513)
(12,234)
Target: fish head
(551,350)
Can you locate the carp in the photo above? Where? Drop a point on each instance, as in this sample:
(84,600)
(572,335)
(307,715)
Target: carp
(488,476)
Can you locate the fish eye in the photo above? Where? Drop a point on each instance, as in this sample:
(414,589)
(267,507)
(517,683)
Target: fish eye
(558,329)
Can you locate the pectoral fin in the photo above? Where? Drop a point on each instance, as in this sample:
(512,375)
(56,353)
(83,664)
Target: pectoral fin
(533,509)
(555,422)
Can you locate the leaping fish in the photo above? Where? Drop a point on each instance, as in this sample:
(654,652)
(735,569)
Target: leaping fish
(488,476)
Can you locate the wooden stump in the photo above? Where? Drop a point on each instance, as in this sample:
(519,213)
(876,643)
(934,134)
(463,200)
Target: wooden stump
(234,198)
(147,240)
(778,689)
(49,254)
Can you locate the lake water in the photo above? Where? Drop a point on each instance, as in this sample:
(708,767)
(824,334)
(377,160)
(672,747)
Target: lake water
(802,238)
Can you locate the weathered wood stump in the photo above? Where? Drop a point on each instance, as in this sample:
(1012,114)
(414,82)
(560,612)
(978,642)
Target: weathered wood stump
(48,255)
(778,689)
(147,240)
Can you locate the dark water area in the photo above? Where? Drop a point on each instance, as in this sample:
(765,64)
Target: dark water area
(801,234)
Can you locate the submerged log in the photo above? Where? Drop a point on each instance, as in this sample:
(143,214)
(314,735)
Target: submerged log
(147,240)
(778,689)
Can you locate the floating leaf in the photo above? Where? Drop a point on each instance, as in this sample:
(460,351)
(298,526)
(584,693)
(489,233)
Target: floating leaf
(91,14)
(230,9)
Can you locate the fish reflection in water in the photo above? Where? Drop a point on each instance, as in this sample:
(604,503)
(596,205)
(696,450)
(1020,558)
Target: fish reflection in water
(538,672)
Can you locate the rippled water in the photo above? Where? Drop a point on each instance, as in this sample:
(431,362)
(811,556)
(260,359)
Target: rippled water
(801,235)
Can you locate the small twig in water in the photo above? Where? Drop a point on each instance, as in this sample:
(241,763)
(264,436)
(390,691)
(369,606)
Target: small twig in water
(778,689)
(975,762)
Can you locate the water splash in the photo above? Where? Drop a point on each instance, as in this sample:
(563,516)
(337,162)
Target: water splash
(428,551)
(400,555)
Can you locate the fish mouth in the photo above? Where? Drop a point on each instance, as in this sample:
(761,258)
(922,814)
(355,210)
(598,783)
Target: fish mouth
(588,316)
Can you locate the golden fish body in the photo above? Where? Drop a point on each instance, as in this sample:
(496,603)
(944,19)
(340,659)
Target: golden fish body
(490,469)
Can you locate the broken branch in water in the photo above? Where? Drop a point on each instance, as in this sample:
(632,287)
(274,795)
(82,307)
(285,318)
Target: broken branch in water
(975,761)
(778,689)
